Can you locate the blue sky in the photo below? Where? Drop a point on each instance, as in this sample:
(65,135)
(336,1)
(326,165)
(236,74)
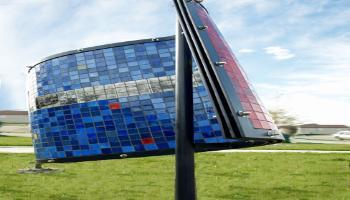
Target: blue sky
(296,53)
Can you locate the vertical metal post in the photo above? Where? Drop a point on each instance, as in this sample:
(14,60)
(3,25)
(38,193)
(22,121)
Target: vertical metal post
(185,186)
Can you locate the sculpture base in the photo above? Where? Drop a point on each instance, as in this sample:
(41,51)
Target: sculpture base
(38,169)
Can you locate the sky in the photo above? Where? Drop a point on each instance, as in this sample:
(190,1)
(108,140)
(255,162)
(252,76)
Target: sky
(295,53)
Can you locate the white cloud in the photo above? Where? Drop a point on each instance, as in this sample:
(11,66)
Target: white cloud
(246,51)
(320,96)
(35,29)
(332,52)
(260,6)
(313,85)
(279,53)
(311,108)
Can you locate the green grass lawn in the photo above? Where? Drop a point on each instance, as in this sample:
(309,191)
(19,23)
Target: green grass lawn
(300,146)
(219,176)
(15,141)
(13,124)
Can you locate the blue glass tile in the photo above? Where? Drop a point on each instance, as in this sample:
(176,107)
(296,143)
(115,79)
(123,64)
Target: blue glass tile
(171,144)
(139,147)
(163,145)
(123,137)
(106,151)
(150,147)
(92,128)
(116,150)
(211,140)
(127,149)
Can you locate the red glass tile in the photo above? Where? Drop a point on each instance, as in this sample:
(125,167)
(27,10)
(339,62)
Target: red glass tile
(260,116)
(256,124)
(244,98)
(247,106)
(272,125)
(147,141)
(265,124)
(114,106)
(252,115)
(256,108)
(238,78)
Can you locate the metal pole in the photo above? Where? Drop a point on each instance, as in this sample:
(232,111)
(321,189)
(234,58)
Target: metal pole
(185,186)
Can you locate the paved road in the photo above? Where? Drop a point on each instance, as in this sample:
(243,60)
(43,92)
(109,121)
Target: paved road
(19,149)
(321,139)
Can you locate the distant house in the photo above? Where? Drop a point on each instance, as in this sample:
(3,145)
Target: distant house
(13,117)
(321,129)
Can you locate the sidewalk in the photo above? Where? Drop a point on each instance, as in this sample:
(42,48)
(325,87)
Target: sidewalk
(279,151)
(28,149)
(16,149)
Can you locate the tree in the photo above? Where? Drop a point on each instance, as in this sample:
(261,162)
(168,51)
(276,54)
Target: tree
(282,118)
(286,123)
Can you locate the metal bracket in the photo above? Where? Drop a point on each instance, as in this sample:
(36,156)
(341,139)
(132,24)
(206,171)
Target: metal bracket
(202,27)
(220,63)
(273,133)
(243,113)
(123,155)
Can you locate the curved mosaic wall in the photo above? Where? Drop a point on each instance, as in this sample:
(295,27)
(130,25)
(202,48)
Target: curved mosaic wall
(112,100)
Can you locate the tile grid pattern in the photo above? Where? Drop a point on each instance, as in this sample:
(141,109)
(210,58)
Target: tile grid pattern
(111,91)
(258,116)
(110,123)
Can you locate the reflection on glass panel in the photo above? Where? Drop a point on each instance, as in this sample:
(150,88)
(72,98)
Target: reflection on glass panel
(89,94)
(110,91)
(71,94)
(71,97)
(155,85)
(121,89)
(111,95)
(173,80)
(47,100)
(87,76)
(197,77)
(143,87)
(80,95)
(62,97)
(101,97)
(194,82)
(131,88)
(109,86)
(71,101)
(165,83)
(100,92)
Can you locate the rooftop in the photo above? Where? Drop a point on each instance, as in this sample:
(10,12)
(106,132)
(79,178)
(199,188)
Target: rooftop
(13,112)
(323,126)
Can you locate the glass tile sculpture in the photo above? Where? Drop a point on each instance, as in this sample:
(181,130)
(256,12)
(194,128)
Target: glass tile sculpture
(114,101)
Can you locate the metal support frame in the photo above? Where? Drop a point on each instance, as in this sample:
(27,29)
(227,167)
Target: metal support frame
(185,185)
(38,169)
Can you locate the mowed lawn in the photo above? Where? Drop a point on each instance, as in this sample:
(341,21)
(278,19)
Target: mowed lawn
(15,141)
(219,176)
